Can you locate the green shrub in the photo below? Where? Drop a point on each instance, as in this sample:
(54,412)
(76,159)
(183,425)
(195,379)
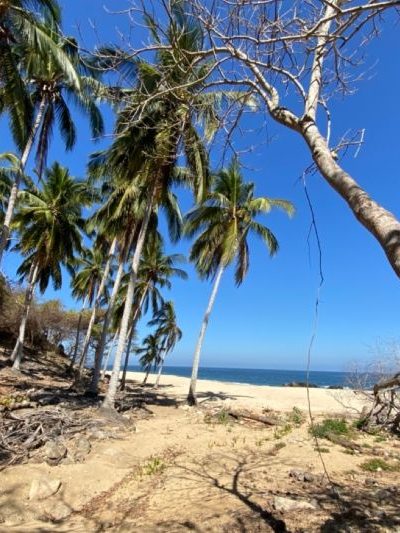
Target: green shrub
(155,465)
(330,426)
(297,417)
(377,464)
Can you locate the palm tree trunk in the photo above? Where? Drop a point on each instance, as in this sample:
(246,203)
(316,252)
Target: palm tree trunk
(127,354)
(160,369)
(17,353)
(131,334)
(110,351)
(146,377)
(109,400)
(96,305)
(191,399)
(78,332)
(15,186)
(102,342)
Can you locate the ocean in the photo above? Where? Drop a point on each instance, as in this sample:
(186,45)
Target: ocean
(264,376)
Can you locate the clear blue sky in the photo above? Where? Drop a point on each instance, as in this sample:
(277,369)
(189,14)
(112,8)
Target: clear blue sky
(267,322)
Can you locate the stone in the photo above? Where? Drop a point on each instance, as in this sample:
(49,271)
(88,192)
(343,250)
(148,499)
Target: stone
(97,434)
(283,504)
(83,446)
(43,488)
(300,475)
(58,511)
(54,452)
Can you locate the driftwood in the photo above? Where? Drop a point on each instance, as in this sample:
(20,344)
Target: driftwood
(20,434)
(385,411)
(267,420)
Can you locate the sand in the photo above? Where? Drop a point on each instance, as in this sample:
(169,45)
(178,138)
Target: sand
(181,470)
(323,401)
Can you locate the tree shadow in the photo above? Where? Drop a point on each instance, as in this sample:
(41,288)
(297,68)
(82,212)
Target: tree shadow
(238,487)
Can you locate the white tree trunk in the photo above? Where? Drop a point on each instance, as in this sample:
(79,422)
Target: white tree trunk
(376,219)
(78,332)
(17,353)
(131,334)
(109,400)
(110,351)
(15,186)
(102,342)
(160,369)
(191,399)
(99,295)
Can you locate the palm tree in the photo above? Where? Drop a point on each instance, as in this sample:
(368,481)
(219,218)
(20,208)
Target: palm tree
(223,223)
(85,282)
(155,271)
(168,330)
(154,128)
(21,23)
(50,226)
(53,79)
(150,354)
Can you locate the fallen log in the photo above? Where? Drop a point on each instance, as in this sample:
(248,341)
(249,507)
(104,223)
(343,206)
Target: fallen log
(267,420)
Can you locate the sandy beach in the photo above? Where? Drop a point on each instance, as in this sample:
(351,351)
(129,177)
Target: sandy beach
(260,397)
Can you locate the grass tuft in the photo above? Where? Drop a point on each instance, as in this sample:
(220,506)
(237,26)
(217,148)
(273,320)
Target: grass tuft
(330,426)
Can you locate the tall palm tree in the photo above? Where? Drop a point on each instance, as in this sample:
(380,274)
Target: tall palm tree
(223,223)
(154,128)
(168,330)
(53,80)
(85,282)
(50,226)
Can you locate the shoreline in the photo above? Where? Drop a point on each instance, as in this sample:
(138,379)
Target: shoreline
(277,398)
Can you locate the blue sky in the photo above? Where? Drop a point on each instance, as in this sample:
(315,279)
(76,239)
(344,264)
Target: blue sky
(267,322)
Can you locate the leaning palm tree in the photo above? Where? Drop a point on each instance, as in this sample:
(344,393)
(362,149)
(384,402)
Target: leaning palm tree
(168,330)
(155,127)
(223,223)
(50,225)
(53,80)
(84,283)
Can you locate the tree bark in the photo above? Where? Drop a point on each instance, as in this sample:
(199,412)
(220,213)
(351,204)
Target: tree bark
(146,378)
(110,351)
(15,186)
(96,305)
(102,342)
(160,369)
(17,353)
(376,219)
(131,334)
(78,332)
(109,400)
(191,399)
(127,354)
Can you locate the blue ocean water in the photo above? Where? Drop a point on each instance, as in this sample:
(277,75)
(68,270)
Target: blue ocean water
(254,376)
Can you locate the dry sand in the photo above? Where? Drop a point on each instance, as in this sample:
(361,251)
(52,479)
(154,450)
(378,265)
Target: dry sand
(183,471)
(323,401)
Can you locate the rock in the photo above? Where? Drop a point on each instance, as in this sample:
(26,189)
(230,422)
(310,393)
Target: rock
(300,384)
(98,434)
(58,511)
(43,488)
(300,475)
(83,446)
(283,504)
(53,452)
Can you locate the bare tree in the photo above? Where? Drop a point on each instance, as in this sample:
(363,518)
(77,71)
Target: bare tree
(294,57)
